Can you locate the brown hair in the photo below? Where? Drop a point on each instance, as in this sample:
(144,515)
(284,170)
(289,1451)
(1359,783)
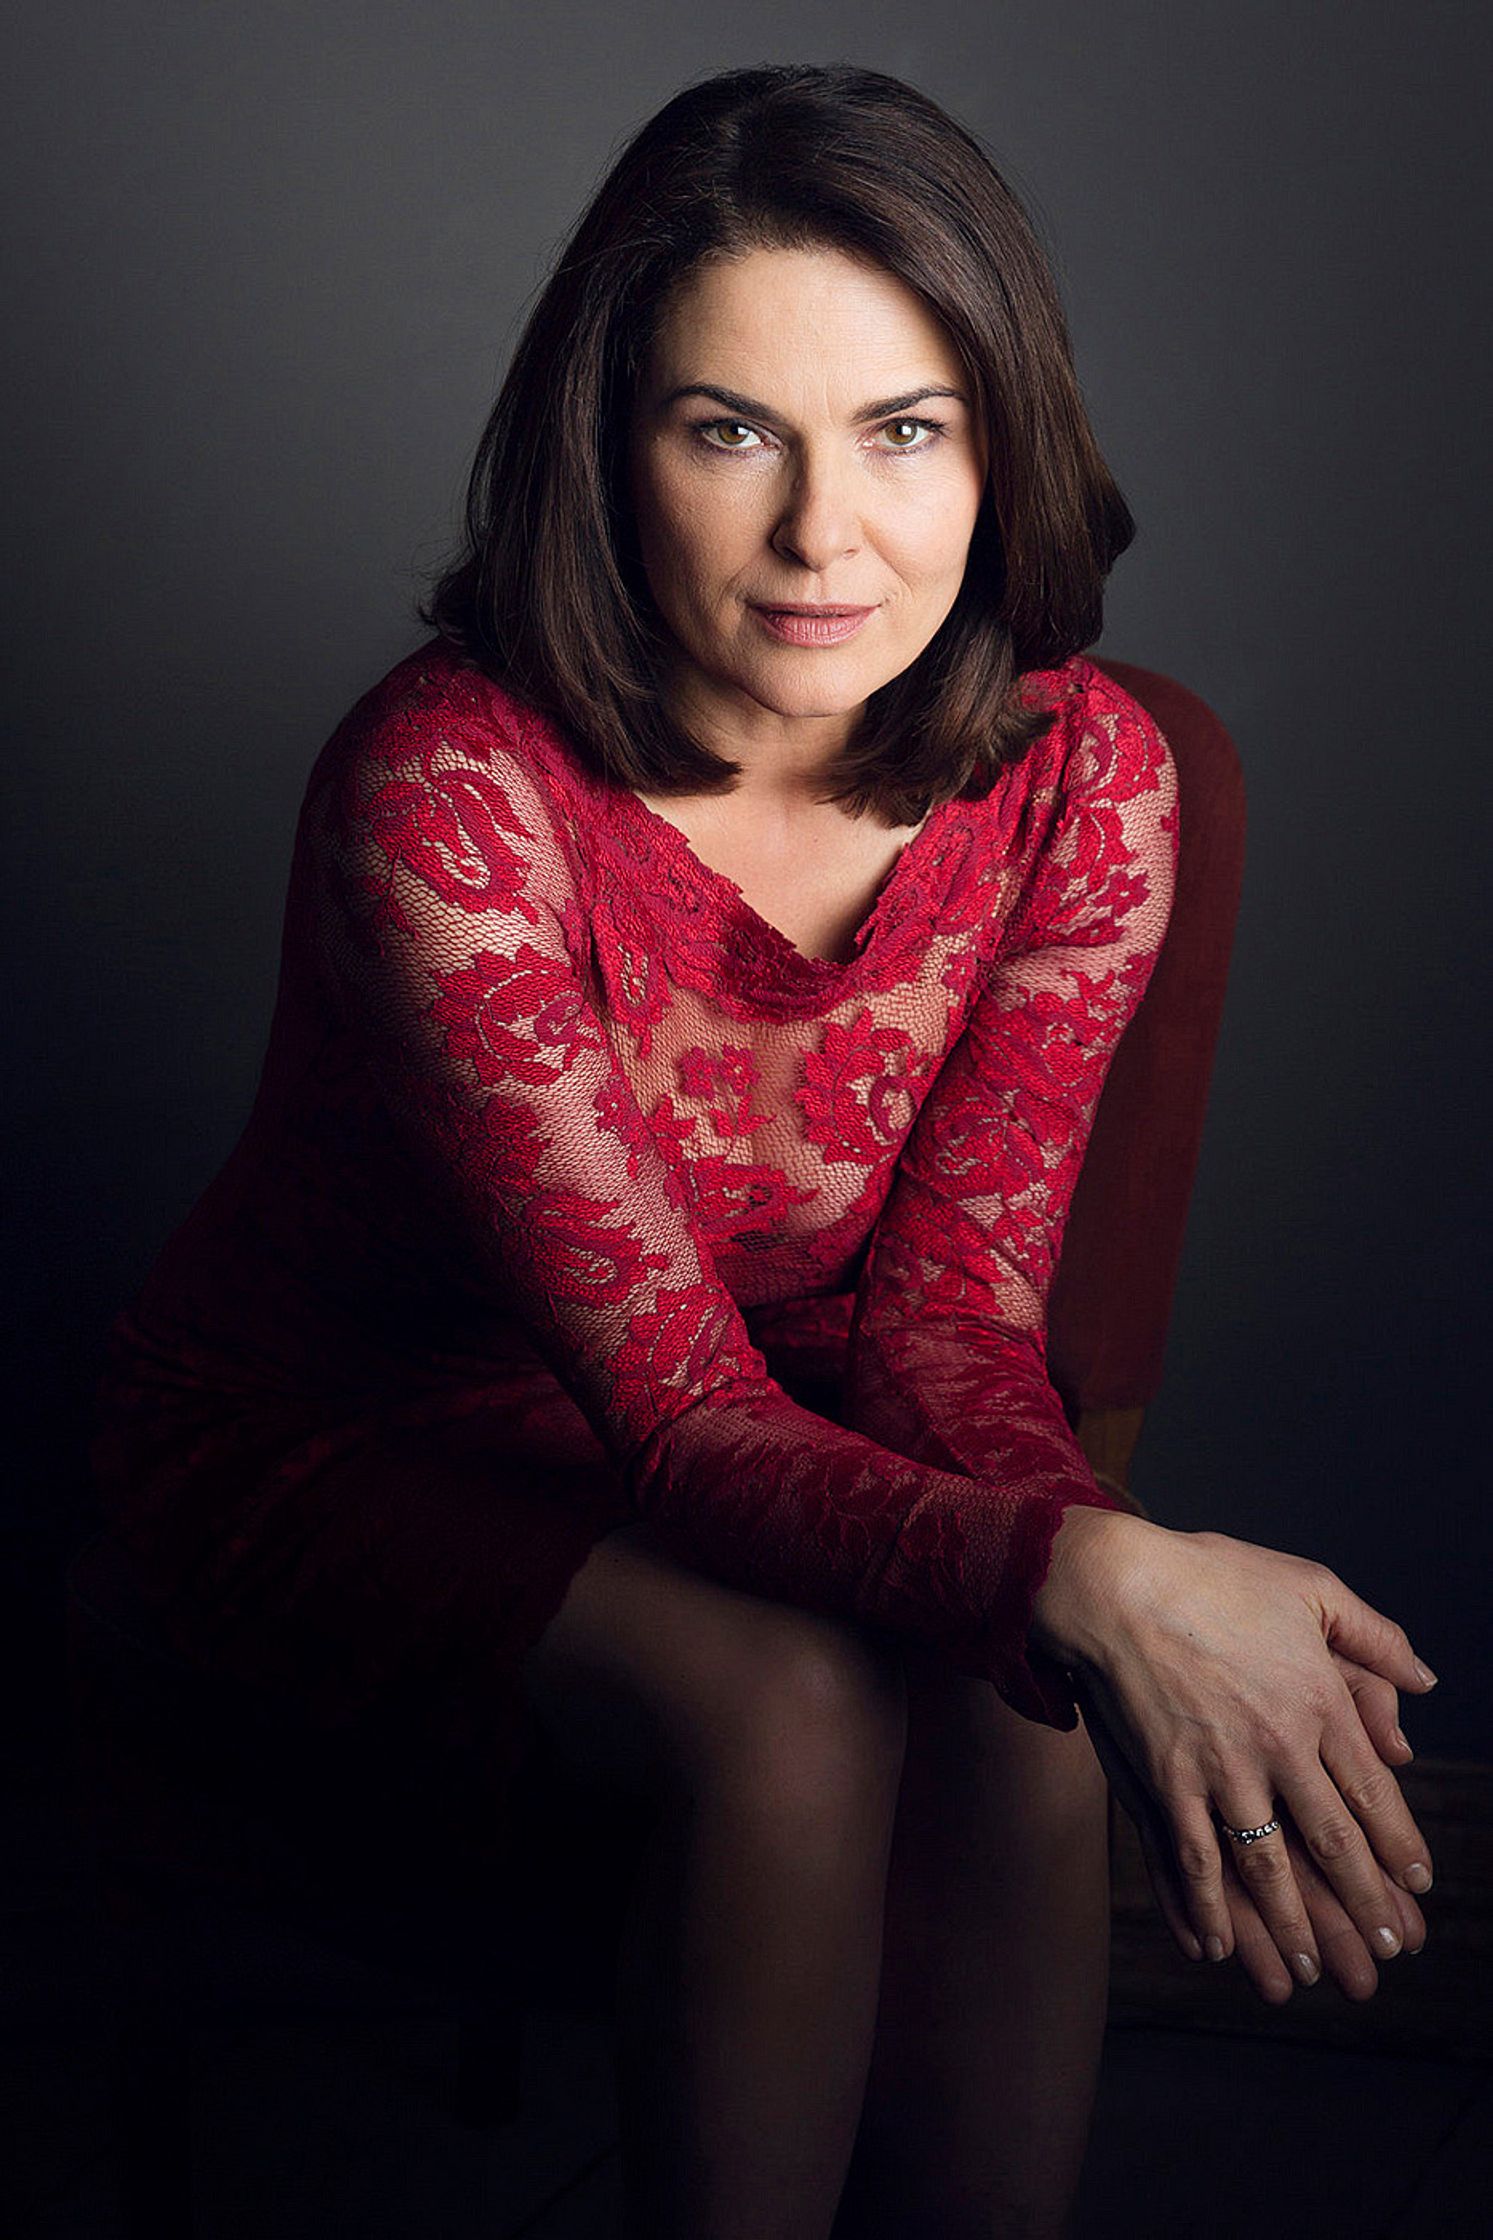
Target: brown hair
(548,594)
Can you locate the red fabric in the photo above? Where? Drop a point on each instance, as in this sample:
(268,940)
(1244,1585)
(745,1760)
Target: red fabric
(1111,1299)
(570,1178)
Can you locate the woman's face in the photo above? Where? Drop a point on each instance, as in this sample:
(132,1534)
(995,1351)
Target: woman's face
(804,437)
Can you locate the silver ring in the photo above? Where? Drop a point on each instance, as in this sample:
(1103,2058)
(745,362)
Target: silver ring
(1253,1835)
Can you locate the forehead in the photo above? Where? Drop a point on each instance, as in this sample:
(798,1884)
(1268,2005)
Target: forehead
(804,318)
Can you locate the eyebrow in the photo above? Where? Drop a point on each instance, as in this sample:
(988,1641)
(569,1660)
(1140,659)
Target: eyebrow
(750,408)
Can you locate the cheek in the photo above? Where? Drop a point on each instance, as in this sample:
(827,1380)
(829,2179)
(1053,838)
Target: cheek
(936,537)
(933,560)
(692,539)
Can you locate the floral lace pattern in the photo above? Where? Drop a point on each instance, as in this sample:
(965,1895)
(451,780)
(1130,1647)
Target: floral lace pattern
(609,1132)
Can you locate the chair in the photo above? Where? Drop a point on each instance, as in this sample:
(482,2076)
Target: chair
(1112,1291)
(209,1810)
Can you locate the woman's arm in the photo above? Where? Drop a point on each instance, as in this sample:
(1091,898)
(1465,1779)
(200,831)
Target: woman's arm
(947,1364)
(947,1354)
(455,944)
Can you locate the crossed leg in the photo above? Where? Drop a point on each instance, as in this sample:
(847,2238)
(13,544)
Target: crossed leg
(769,1743)
(866,1934)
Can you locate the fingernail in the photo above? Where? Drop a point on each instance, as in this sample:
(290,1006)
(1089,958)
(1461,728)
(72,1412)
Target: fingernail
(1387,1941)
(1427,1676)
(1417,1877)
(1306,1967)
(1402,1739)
(1193,1948)
(1214,1948)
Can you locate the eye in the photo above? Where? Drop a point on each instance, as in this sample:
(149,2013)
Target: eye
(733,435)
(905,433)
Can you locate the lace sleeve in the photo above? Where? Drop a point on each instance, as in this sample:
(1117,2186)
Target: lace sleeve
(455,946)
(947,1352)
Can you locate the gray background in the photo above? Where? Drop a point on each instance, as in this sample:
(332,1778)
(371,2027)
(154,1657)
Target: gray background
(265,266)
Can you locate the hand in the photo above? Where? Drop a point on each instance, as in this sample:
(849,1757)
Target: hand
(1337,1949)
(1210,1664)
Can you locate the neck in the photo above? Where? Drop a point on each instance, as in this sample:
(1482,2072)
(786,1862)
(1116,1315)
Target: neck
(782,759)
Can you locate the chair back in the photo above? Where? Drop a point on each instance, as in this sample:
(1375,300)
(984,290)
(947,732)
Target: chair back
(1112,1291)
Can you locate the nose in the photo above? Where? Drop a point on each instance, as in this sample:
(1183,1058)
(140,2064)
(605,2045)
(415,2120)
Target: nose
(820,521)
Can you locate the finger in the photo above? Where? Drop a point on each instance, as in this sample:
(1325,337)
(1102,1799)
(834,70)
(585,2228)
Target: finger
(1373,1795)
(1377,1703)
(1412,1920)
(1369,1638)
(1265,1869)
(1165,1888)
(1339,1848)
(1253,1942)
(1346,1959)
(1344,1954)
(1199,1865)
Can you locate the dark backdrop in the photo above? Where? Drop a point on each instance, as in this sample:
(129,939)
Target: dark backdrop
(266,265)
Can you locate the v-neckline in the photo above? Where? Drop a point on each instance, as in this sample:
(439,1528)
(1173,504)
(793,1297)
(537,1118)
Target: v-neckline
(724,885)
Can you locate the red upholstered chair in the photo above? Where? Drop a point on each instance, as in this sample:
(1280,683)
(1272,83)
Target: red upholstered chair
(210,1814)
(1112,1293)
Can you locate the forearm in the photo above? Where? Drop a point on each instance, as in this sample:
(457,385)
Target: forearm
(760,1492)
(971,1398)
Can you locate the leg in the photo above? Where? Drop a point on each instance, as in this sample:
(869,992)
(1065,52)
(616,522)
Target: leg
(995,1975)
(747,1982)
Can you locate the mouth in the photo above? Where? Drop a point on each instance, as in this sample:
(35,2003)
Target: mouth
(804,625)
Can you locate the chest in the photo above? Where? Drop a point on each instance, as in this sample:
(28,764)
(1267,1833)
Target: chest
(817,883)
(776,1068)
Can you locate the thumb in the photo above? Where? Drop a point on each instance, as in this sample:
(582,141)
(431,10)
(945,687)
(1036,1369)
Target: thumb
(1354,1628)
(1378,1706)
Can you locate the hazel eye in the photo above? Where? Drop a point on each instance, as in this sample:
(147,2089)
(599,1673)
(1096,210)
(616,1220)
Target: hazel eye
(914,430)
(726,431)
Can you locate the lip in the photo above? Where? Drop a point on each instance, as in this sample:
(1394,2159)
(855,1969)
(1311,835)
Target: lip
(800,624)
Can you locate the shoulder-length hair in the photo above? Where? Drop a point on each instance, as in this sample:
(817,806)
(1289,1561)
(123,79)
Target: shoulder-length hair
(548,594)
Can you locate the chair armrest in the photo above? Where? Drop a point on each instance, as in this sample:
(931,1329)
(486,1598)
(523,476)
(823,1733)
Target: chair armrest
(1108,1437)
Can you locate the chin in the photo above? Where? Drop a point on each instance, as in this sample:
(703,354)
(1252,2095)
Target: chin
(812,695)
(808,707)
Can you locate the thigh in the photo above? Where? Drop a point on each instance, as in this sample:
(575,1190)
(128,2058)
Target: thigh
(650,1672)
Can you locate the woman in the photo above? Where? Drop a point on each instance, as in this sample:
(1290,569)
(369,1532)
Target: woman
(621,1323)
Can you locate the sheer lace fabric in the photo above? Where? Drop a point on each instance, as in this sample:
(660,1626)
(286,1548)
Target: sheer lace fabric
(556,1131)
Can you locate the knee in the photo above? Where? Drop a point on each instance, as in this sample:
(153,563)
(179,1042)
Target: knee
(815,1725)
(961,1732)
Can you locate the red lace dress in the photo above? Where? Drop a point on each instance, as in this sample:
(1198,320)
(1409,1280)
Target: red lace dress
(574,1192)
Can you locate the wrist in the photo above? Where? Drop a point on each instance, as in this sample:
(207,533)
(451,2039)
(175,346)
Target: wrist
(1094,1552)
